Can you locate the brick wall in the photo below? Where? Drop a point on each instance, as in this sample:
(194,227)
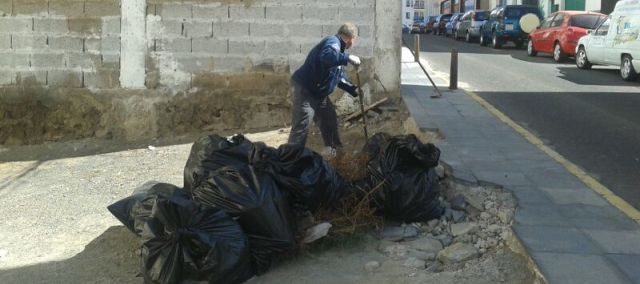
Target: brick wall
(232,47)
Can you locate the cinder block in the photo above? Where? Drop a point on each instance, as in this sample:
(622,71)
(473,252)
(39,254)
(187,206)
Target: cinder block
(328,30)
(48,60)
(211,11)
(240,12)
(195,64)
(230,64)
(6,6)
(246,46)
(12,59)
(85,26)
(174,45)
(225,30)
(102,45)
(83,60)
(209,45)
(263,29)
(198,29)
(30,7)
(50,26)
(64,78)
(7,77)
(20,42)
(5,42)
(69,8)
(174,11)
(102,78)
(102,8)
(323,14)
(31,77)
(282,47)
(66,43)
(111,59)
(305,47)
(111,26)
(356,15)
(305,30)
(289,14)
(362,49)
(171,28)
(16,25)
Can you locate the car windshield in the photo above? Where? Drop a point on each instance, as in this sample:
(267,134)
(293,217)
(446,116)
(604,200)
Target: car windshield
(520,11)
(586,21)
(481,16)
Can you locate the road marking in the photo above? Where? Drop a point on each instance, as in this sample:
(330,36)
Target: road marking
(588,180)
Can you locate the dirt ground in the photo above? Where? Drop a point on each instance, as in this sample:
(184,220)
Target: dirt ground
(56,228)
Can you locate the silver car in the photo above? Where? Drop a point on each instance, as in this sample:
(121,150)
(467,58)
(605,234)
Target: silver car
(470,24)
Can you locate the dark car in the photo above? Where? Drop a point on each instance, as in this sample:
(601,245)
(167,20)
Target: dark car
(504,25)
(440,24)
(452,26)
(430,24)
(470,24)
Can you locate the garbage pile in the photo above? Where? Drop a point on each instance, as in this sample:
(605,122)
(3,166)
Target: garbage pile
(241,200)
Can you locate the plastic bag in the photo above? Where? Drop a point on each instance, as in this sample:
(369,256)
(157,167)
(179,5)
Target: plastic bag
(133,211)
(405,165)
(308,177)
(212,152)
(186,242)
(257,204)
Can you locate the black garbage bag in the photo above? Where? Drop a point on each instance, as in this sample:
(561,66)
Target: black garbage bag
(133,211)
(212,152)
(405,165)
(187,242)
(308,178)
(257,204)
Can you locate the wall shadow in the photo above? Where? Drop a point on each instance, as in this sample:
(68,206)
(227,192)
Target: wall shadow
(109,258)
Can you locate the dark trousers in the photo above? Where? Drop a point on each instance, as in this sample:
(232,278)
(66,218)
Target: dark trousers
(307,108)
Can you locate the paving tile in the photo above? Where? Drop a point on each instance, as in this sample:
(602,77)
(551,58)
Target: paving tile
(539,214)
(555,239)
(577,268)
(554,179)
(616,241)
(505,178)
(529,194)
(604,217)
(628,264)
(580,195)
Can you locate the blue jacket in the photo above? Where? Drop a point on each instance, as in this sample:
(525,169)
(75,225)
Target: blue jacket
(322,71)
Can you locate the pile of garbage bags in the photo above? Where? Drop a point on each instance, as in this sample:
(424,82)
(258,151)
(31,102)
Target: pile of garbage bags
(236,213)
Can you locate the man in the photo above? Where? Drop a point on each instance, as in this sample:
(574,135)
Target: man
(315,80)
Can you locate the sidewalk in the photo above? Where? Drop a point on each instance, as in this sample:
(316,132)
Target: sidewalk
(571,232)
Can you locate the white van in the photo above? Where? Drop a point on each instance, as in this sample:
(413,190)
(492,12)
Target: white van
(614,42)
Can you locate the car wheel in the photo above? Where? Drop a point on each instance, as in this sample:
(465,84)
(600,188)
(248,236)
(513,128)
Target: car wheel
(495,41)
(467,38)
(627,71)
(558,55)
(483,42)
(530,50)
(582,61)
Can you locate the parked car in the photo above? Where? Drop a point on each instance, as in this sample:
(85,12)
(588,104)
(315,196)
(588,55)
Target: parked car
(406,29)
(470,24)
(429,24)
(559,33)
(503,25)
(614,41)
(450,27)
(440,23)
(418,27)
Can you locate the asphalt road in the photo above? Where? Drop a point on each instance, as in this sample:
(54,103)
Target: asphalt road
(590,117)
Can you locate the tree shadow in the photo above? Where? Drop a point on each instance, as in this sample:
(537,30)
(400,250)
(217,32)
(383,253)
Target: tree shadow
(109,258)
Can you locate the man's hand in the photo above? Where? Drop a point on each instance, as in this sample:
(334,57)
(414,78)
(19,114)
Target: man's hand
(354,60)
(352,90)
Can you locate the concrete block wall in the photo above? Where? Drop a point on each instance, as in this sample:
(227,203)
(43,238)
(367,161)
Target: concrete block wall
(148,68)
(59,43)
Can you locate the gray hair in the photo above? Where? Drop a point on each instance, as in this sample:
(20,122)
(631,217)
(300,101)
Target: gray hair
(348,29)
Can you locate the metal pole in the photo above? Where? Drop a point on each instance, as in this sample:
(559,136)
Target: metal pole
(416,47)
(364,115)
(453,74)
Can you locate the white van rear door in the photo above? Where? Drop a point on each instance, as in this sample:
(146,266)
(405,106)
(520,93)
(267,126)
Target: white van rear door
(596,47)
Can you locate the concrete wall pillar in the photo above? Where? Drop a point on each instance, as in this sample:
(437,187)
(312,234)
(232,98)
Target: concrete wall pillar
(133,44)
(387,45)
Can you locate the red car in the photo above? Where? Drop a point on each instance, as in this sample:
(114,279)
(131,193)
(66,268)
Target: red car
(559,33)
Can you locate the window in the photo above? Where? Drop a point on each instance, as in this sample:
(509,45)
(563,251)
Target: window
(558,20)
(408,3)
(586,21)
(547,22)
(408,16)
(603,29)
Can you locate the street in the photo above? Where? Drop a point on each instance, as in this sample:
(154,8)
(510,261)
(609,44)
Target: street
(589,117)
